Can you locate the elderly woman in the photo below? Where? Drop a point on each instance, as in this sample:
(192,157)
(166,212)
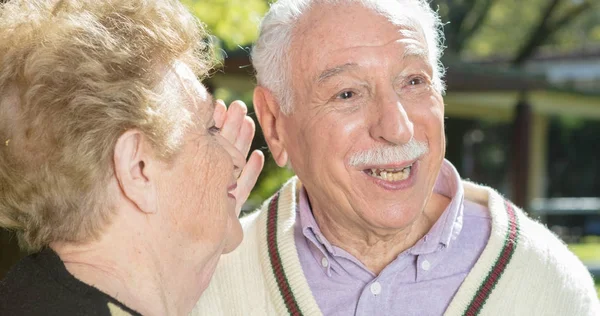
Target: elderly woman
(116,167)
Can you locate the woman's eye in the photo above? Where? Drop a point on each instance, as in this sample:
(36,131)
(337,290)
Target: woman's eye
(346,95)
(214,130)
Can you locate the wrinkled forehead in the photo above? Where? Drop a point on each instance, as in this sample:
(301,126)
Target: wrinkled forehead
(326,30)
(358,21)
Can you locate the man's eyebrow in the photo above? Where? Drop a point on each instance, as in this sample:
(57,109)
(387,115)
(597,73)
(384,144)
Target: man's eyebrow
(415,52)
(330,72)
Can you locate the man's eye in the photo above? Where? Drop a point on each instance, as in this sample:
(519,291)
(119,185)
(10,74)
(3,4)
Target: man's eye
(415,81)
(214,130)
(346,95)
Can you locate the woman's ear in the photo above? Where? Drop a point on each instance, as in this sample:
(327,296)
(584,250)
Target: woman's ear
(133,159)
(269,114)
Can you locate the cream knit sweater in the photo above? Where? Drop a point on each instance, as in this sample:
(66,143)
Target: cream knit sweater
(523,270)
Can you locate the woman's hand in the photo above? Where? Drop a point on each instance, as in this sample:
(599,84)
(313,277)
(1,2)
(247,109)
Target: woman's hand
(238,128)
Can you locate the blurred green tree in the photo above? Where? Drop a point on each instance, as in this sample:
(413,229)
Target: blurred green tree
(517,29)
(512,28)
(234,22)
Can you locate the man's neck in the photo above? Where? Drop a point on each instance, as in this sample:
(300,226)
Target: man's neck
(377,248)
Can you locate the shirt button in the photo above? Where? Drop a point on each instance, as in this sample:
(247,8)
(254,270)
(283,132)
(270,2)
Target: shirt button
(324,262)
(376,288)
(425,265)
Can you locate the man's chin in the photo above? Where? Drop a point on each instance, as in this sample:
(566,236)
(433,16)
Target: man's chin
(391,217)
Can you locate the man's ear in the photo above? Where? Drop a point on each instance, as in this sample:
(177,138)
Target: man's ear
(269,117)
(133,159)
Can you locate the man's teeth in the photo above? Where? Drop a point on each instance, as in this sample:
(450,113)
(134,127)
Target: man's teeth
(390,174)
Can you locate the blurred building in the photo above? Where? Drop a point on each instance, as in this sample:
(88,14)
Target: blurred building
(579,71)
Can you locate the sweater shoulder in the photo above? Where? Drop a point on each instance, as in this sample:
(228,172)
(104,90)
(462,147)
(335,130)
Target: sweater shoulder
(237,286)
(544,269)
(541,274)
(544,276)
(535,238)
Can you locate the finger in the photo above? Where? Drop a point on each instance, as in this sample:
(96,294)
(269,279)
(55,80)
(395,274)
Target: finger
(244,138)
(219,113)
(233,120)
(248,178)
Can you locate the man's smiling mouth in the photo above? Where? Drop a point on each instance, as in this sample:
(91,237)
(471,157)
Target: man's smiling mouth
(390,174)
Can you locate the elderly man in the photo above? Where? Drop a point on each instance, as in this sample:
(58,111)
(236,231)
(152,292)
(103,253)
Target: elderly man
(377,222)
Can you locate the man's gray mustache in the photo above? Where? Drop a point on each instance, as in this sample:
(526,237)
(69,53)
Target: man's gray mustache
(390,154)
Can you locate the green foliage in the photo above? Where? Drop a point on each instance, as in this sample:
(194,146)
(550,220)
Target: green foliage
(587,252)
(582,33)
(510,23)
(234,22)
(476,28)
(228,96)
(505,28)
(272,178)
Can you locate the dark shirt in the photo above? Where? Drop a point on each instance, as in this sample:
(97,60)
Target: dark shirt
(40,284)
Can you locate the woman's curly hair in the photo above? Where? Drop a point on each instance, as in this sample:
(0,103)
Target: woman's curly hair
(74,75)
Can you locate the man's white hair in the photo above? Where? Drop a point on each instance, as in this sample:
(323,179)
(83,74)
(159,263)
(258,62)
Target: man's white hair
(270,55)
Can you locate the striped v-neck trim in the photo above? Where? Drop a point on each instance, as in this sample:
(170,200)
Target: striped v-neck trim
(495,273)
(289,288)
(276,263)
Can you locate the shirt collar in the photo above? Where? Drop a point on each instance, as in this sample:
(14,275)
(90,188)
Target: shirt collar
(310,228)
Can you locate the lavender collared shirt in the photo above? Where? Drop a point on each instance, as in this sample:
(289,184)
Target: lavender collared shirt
(421,281)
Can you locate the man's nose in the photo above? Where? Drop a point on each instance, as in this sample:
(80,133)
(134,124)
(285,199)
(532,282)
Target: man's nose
(392,123)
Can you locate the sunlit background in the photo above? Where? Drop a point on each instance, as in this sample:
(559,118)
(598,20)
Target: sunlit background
(522,106)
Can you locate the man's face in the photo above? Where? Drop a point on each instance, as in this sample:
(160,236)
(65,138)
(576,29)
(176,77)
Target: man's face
(361,83)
